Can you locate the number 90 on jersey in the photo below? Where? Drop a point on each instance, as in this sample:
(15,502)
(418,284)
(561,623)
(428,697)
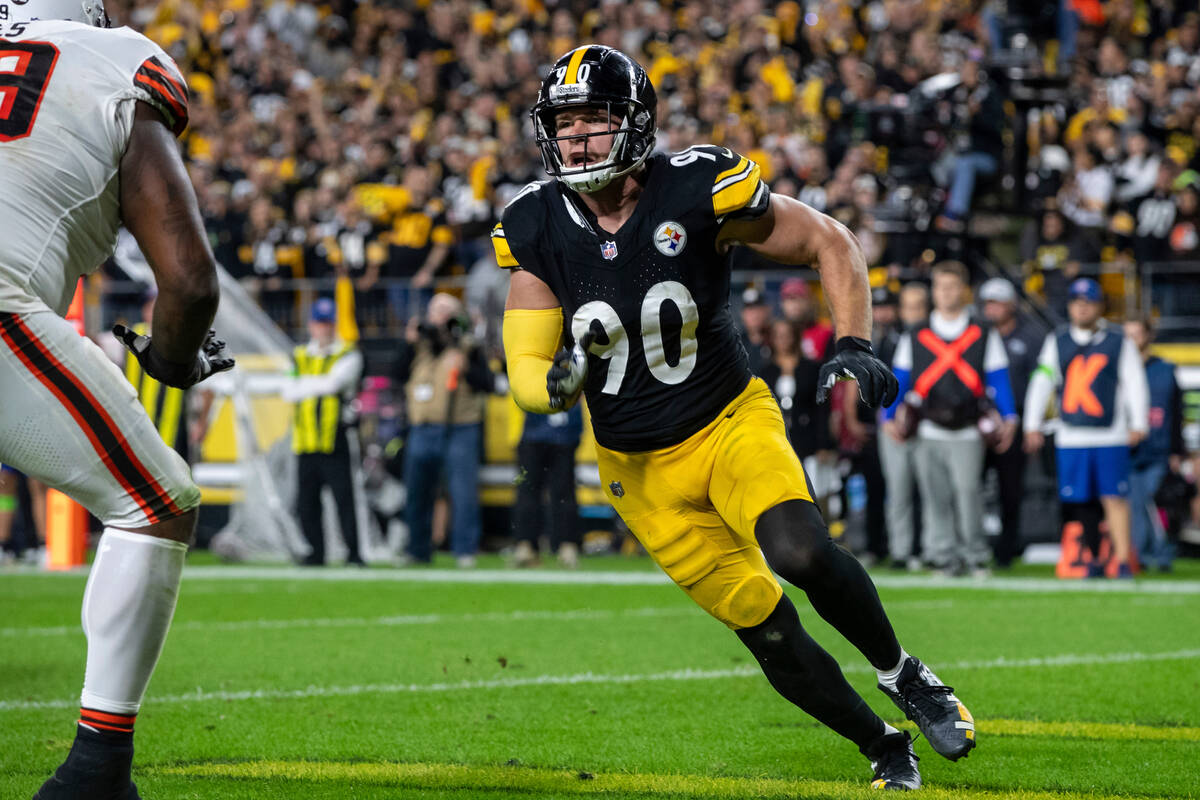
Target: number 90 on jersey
(616,349)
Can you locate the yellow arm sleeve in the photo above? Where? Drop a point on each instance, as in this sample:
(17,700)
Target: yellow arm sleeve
(531,338)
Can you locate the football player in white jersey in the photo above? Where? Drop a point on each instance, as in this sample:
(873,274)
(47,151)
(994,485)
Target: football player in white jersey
(87,117)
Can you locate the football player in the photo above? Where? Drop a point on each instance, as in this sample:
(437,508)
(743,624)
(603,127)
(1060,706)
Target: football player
(88,119)
(622,259)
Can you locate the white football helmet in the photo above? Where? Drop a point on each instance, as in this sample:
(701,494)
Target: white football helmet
(89,12)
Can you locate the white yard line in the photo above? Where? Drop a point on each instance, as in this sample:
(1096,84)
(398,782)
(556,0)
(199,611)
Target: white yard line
(636,578)
(385,621)
(400,620)
(591,678)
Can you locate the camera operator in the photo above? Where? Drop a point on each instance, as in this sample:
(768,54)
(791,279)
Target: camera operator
(975,139)
(446,378)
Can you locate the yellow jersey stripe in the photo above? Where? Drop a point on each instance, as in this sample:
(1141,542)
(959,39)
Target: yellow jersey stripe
(504,256)
(736,194)
(731,171)
(573,65)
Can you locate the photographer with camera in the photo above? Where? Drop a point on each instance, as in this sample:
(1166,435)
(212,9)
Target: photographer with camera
(446,379)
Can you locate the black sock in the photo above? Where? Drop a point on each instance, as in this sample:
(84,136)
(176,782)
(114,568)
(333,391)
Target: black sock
(797,546)
(800,670)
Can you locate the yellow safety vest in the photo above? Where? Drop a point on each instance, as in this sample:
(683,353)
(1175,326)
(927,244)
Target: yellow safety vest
(163,404)
(315,419)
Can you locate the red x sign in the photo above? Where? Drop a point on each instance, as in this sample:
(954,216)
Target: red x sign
(949,357)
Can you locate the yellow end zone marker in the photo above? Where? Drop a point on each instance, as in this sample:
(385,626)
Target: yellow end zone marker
(560,783)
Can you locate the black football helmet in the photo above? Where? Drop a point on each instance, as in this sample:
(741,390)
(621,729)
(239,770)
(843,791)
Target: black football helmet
(600,77)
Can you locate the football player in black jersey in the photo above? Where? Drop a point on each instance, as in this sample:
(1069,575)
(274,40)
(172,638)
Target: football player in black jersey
(629,248)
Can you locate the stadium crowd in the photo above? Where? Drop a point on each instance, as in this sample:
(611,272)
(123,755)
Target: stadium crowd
(380,141)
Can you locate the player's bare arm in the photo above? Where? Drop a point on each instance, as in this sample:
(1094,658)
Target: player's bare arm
(529,292)
(792,233)
(159,208)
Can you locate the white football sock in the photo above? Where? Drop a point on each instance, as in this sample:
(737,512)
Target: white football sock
(127,609)
(888,677)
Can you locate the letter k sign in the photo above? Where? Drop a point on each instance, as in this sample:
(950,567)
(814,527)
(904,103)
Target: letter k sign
(1077,389)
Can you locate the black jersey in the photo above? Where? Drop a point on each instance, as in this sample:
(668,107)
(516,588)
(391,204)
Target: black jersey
(667,357)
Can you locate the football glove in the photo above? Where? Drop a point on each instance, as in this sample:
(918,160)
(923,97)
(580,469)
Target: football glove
(565,379)
(855,360)
(211,358)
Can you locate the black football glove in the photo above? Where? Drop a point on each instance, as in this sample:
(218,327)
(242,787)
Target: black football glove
(564,380)
(211,358)
(855,360)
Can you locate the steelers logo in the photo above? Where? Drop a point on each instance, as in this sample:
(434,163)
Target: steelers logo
(670,238)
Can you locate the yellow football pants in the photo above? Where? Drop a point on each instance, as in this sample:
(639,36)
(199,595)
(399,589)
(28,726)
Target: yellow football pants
(693,506)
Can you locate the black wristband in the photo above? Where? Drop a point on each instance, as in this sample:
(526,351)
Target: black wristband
(853,343)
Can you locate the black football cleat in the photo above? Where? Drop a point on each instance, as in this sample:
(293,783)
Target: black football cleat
(95,769)
(894,762)
(941,716)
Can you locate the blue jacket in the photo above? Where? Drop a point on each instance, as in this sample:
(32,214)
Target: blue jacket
(1166,415)
(561,428)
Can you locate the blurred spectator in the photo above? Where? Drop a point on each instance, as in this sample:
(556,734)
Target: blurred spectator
(1098,111)
(956,367)
(1087,192)
(1137,174)
(860,431)
(546,487)
(1184,240)
(417,245)
(8,509)
(446,377)
(976,138)
(1162,450)
(897,454)
(1145,223)
(792,377)
(22,500)
(322,389)
(1022,341)
(886,323)
(756,321)
(1055,257)
(796,302)
(1103,412)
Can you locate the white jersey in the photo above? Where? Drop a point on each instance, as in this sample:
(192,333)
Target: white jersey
(67,101)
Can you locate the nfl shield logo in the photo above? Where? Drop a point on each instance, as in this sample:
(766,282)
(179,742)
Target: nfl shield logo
(617,489)
(608,250)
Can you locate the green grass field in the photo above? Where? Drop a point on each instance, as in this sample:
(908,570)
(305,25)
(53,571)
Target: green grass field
(420,684)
